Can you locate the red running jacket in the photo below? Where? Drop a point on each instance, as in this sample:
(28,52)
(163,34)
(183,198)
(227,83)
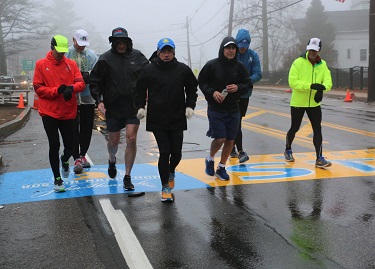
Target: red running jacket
(49,74)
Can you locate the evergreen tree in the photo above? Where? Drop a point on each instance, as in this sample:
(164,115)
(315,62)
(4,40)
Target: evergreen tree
(316,25)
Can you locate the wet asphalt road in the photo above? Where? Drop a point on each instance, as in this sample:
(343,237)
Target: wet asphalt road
(321,223)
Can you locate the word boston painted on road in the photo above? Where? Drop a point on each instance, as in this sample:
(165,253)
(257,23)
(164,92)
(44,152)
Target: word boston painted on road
(37,185)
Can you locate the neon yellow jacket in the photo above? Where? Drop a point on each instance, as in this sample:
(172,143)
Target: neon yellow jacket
(301,75)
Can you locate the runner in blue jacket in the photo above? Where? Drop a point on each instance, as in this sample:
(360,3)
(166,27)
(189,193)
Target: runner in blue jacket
(251,61)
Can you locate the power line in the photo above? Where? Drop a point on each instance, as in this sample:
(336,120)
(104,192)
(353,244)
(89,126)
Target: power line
(211,37)
(196,11)
(217,12)
(284,7)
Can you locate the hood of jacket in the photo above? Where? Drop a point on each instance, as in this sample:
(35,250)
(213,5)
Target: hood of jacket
(243,34)
(50,57)
(222,58)
(129,44)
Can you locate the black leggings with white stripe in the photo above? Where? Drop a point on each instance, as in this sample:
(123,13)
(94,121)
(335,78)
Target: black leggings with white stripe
(315,117)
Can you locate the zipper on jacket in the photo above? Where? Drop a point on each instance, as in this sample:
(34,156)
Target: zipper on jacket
(313,81)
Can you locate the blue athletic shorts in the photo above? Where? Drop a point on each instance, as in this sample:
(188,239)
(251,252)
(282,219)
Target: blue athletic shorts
(223,124)
(115,125)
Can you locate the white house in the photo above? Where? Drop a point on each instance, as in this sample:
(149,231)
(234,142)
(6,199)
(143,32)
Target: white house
(352,34)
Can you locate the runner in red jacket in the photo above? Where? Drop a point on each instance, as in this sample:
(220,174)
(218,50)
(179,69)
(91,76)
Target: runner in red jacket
(57,79)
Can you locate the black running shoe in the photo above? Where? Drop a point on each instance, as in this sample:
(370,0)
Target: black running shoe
(233,153)
(128,185)
(112,171)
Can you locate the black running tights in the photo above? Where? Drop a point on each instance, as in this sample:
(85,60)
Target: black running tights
(84,125)
(66,127)
(170,151)
(315,116)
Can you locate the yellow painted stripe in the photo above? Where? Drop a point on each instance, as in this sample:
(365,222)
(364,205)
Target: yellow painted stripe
(254,114)
(331,125)
(300,140)
(303,160)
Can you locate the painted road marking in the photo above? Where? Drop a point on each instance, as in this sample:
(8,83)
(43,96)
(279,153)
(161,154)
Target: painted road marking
(272,168)
(130,247)
(302,136)
(37,185)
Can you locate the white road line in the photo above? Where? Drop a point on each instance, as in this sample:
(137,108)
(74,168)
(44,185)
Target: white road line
(89,160)
(130,247)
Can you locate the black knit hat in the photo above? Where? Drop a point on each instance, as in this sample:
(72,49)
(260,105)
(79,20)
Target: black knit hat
(118,32)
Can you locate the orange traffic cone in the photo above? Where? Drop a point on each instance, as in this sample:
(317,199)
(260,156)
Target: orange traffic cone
(36,101)
(348,97)
(20,102)
(289,90)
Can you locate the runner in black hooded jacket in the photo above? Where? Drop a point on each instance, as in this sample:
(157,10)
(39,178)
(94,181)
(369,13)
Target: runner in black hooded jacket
(112,84)
(224,72)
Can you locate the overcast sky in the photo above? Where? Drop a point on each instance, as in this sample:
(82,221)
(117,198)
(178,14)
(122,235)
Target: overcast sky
(147,21)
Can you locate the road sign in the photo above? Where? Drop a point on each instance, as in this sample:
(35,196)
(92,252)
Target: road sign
(28,64)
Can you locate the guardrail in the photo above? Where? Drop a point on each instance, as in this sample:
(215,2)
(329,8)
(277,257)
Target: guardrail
(13,96)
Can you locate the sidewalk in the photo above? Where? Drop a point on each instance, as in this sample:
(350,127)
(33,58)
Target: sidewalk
(360,95)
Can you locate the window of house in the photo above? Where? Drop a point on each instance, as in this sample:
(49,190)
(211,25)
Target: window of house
(363,54)
(348,54)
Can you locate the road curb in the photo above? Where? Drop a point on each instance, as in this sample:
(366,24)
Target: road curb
(14,125)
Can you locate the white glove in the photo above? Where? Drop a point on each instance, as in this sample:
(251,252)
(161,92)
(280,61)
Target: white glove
(189,112)
(141,113)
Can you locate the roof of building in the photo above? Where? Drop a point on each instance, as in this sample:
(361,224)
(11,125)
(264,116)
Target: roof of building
(349,20)
(343,21)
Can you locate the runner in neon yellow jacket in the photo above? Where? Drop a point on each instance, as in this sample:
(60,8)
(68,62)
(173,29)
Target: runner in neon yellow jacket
(302,74)
(309,77)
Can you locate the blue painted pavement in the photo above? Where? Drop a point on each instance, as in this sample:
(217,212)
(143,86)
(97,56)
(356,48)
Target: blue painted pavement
(37,185)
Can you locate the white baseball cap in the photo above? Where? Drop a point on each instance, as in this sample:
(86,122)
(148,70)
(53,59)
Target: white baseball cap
(314,44)
(82,37)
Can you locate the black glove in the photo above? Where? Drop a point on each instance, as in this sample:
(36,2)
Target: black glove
(318,87)
(318,96)
(61,89)
(86,77)
(68,93)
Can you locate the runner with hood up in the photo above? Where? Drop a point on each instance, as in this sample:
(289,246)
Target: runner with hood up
(112,84)
(251,61)
(222,81)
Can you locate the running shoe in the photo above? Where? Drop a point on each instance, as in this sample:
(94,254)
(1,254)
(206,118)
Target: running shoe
(171,180)
(128,185)
(243,157)
(167,195)
(78,168)
(322,163)
(112,171)
(233,153)
(288,155)
(210,170)
(85,162)
(65,171)
(59,185)
(222,174)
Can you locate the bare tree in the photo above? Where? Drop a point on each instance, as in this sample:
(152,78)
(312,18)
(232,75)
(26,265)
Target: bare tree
(61,17)
(269,22)
(20,27)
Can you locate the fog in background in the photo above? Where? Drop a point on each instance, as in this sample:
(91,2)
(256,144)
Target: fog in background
(147,21)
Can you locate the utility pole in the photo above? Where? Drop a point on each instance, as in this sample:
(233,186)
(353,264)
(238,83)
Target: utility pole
(188,41)
(230,24)
(265,39)
(371,63)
